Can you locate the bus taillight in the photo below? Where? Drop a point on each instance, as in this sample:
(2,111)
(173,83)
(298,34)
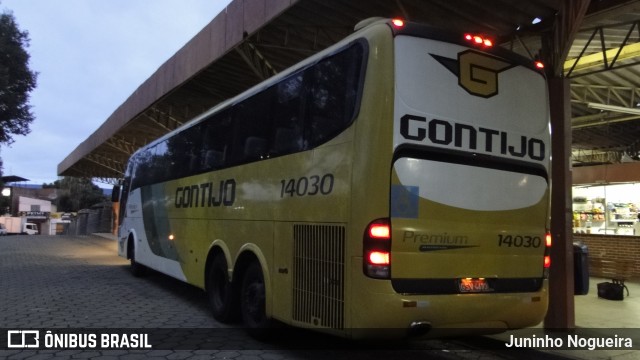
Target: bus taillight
(378,258)
(547,240)
(377,249)
(547,256)
(379,231)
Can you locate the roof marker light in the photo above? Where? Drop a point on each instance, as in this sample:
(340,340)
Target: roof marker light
(539,65)
(397,22)
(479,40)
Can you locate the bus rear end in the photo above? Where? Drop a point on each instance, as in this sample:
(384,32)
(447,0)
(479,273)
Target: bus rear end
(465,244)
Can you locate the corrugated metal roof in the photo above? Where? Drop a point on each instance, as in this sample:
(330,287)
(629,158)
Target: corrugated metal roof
(252,39)
(606,95)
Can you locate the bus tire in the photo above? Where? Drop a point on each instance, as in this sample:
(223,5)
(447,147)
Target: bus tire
(137,269)
(219,290)
(253,302)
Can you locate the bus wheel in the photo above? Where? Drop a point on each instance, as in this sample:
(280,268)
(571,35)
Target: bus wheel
(136,268)
(252,302)
(219,290)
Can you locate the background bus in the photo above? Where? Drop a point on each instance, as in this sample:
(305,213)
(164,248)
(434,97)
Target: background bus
(397,181)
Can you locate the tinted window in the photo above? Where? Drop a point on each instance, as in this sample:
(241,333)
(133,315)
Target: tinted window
(252,123)
(302,111)
(217,139)
(333,90)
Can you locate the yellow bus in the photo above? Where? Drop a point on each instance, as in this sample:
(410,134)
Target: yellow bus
(396,182)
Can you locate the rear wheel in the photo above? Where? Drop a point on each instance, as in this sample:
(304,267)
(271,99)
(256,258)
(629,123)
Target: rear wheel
(253,302)
(219,290)
(136,268)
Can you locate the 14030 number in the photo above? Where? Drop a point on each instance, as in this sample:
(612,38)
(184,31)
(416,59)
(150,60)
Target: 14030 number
(519,241)
(312,185)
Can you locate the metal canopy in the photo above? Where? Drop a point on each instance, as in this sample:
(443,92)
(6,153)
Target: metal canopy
(254,39)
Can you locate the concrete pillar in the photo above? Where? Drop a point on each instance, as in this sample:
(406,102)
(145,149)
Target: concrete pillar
(561,314)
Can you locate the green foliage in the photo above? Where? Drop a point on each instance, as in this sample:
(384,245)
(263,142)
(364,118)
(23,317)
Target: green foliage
(16,80)
(76,194)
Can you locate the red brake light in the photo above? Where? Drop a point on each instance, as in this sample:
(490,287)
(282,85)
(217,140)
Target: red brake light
(377,249)
(539,65)
(378,258)
(397,22)
(379,231)
(547,240)
(547,256)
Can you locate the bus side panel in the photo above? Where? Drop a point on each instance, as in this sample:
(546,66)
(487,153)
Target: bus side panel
(146,249)
(252,204)
(282,271)
(370,183)
(312,205)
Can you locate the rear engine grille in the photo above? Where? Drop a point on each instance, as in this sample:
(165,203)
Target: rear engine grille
(318,277)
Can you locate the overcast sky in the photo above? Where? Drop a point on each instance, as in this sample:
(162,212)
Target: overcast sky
(91,55)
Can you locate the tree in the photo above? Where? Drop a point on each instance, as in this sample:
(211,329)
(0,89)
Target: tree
(76,193)
(16,80)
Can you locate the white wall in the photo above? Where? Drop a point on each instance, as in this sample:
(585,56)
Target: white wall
(24,204)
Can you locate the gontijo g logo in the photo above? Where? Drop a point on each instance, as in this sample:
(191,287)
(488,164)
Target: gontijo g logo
(477,72)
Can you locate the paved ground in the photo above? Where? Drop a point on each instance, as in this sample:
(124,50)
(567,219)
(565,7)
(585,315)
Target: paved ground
(79,282)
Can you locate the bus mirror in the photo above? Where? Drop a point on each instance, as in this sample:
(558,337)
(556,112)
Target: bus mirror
(115,193)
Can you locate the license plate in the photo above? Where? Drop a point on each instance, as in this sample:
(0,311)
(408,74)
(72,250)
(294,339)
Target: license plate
(469,285)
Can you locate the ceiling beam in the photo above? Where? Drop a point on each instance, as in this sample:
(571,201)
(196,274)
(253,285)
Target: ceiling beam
(558,43)
(599,120)
(121,144)
(625,96)
(107,163)
(256,60)
(620,109)
(606,60)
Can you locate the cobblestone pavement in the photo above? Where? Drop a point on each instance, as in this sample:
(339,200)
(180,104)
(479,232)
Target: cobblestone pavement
(80,282)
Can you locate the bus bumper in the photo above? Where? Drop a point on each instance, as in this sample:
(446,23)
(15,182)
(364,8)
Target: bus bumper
(385,313)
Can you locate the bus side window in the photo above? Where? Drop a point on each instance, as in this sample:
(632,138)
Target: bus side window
(333,94)
(143,168)
(255,148)
(287,141)
(288,116)
(252,120)
(216,139)
(213,160)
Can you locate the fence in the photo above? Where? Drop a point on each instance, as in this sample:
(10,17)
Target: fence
(97,219)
